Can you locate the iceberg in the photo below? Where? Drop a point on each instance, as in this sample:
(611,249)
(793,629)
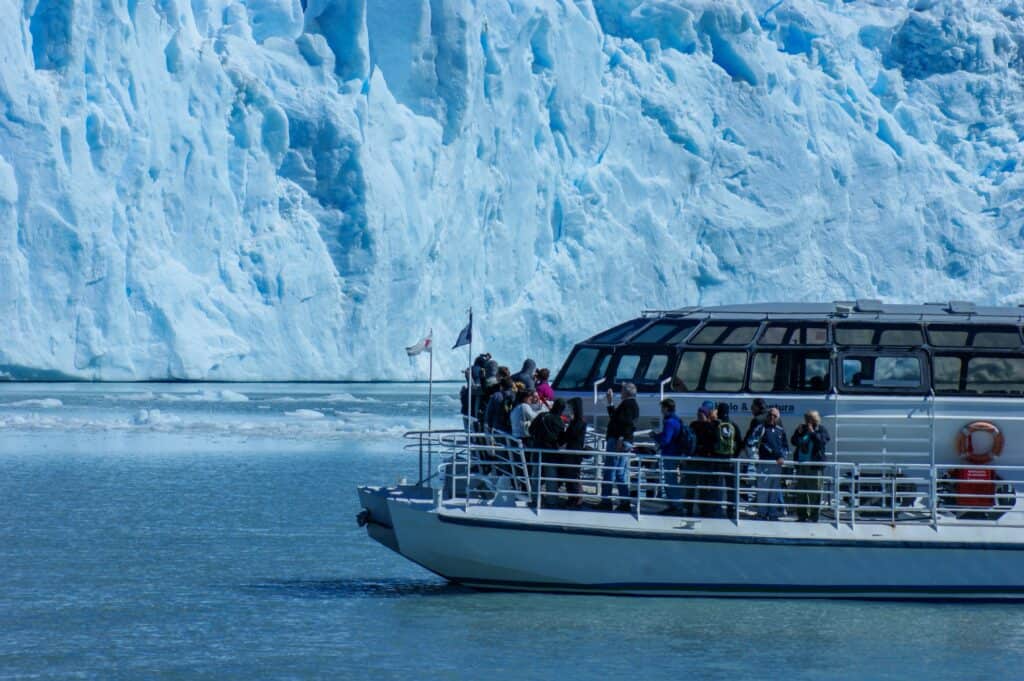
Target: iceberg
(286,189)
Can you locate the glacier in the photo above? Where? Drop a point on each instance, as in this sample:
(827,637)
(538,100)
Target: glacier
(285,190)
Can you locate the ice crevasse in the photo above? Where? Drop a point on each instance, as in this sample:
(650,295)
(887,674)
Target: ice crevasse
(276,189)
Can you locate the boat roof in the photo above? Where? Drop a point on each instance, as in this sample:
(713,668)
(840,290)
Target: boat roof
(855,310)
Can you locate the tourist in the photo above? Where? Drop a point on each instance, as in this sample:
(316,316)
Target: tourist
(770,443)
(525,375)
(809,441)
(546,432)
(674,441)
(621,427)
(497,416)
(575,440)
(698,472)
(727,446)
(527,408)
(544,389)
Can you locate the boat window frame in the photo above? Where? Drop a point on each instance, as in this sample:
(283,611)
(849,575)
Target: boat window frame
(799,324)
(682,326)
(973,330)
(924,387)
(966,356)
(803,352)
(588,382)
(730,326)
(646,351)
(637,323)
(880,328)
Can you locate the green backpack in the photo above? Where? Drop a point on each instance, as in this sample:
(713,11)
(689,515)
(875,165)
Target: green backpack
(725,445)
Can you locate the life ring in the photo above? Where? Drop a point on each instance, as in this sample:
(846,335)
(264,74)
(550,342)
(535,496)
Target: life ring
(965,444)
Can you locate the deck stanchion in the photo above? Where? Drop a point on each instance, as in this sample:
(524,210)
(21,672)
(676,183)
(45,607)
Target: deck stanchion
(737,466)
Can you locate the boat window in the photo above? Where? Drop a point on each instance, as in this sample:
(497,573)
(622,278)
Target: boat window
(577,370)
(995,376)
(618,333)
(664,331)
(602,368)
(790,371)
(878,335)
(685,329)
(655,369)
(725,372)
(725,334)
(794,334)
(626,368)
(887,372)
(946,373)
(967,336)
(687,375)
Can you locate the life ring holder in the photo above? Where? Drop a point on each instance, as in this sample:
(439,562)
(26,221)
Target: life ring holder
(965,445)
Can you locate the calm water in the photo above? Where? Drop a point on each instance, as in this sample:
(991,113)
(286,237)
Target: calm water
(216,539)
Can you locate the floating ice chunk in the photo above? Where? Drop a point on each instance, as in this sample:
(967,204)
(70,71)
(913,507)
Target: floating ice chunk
(45,403)
(305,414)
(232,396)
(348,398)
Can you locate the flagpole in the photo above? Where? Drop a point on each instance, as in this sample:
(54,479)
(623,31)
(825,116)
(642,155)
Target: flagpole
(471,360)
(430,384)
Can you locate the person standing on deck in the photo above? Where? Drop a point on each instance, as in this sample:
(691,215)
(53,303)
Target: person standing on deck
(672,441)
(770,442)
(544,390)
(698,474)
(621,428)
(574,439)
(809,442)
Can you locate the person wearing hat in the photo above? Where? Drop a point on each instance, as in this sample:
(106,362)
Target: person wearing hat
(699,473)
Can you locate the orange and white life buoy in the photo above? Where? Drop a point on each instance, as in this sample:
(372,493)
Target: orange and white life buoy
(965,442)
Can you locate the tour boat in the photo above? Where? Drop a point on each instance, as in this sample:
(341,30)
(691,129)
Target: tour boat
(917,496)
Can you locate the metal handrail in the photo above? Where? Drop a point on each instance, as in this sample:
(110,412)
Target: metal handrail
(851,492)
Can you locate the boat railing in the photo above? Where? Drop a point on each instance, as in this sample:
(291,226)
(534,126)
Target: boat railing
(489,469)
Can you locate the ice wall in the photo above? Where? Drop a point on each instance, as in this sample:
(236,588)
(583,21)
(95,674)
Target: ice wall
(277,189)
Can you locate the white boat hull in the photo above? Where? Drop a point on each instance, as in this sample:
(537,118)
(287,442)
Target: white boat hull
(591,552)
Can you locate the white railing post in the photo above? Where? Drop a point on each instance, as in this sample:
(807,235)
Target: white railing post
(540,481)
(737,467)
(661,392)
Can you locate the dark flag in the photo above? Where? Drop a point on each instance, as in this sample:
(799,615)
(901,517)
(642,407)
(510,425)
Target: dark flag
(466,335)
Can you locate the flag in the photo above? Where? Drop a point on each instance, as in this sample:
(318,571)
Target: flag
(466,335)
(425,345)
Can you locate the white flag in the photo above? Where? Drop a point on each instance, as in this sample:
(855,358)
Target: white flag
(425,345)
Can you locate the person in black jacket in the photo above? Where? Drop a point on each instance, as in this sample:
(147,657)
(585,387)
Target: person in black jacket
(546,431)
(809,442)
(621,428)
(575,439)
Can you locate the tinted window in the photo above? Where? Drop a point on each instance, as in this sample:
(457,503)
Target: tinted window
(687,376)
(725,372)
(882,371)
(725,334)
(655,369)
(946,373)
(794,334)
(949,336)
(995,375)
(625,370)
(862,334)
(618,333)
(789,371)
(574,376)
(662,332)
(679,336)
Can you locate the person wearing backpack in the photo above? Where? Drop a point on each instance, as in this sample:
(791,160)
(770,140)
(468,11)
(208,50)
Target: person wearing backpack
(498,415)
(727,445)
(675,440)
(809,442)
